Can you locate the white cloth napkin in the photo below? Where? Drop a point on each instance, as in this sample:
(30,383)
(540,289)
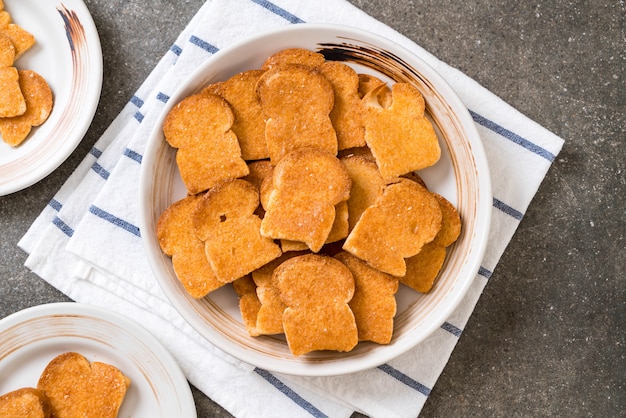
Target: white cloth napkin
(87,244)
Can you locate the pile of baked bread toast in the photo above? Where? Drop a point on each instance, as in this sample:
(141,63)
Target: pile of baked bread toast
(303,194)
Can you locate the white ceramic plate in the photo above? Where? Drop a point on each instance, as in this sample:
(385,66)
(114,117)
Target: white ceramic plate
(29,339)
(461,176)
(68,55)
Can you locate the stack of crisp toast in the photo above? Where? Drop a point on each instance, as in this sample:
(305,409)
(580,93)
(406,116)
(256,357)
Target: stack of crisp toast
(303,195)
(25,97)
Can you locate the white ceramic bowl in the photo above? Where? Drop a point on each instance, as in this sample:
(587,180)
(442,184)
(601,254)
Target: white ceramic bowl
(461,176)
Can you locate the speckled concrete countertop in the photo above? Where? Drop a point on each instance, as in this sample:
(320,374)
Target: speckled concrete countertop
(546,338)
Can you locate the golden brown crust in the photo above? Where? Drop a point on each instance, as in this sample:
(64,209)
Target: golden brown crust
(307,184)
(367,185)
(316,290)
(249,123)
(291,56)
(270,315)
(423,268)
(259,171)
(346,113)
(20,37)
(450,224)
(78,388)
(208,150)
(338,231)
(261,177)
(5,19)
(367,83)
(404,218)
(25,97)
(401,138)
(296,101)
(38,98)
(177,238)
(24,403)
(249,303)
(7,50)
(224,219)
(374,302)
(12,102)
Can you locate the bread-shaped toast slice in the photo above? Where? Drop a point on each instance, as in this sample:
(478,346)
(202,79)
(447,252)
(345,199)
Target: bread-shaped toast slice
(249,124)
(296,101)
(225,220)
(20,37)
(307,185)
(208,150)
(340,228)
(269,319)
(400,136)
(374,302)
(338,231)
(423,268)
(294,56)
(7,51)
(77,388)
(5,19)
(404,218)
(24,403)
(316,290)
(367,185)
(177,238)
(450,224)
(12,102)
(249,303)
(270,315)
(39,101)
(346,112)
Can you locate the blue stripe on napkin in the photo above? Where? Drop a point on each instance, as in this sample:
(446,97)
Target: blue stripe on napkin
(127,226)
(101,171)
(194,40)
(485,272)
(278,11)
(507,209)
(410,382)
(55,204)
(162,97)
(290,393)
(136,101)
(512,136)
(65,228)
(133,155)
(176,50)
(451,329)
(95,152)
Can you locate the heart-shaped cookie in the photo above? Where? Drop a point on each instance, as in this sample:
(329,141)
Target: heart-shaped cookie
(77,388)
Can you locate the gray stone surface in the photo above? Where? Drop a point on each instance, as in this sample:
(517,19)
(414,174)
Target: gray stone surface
(547,336)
